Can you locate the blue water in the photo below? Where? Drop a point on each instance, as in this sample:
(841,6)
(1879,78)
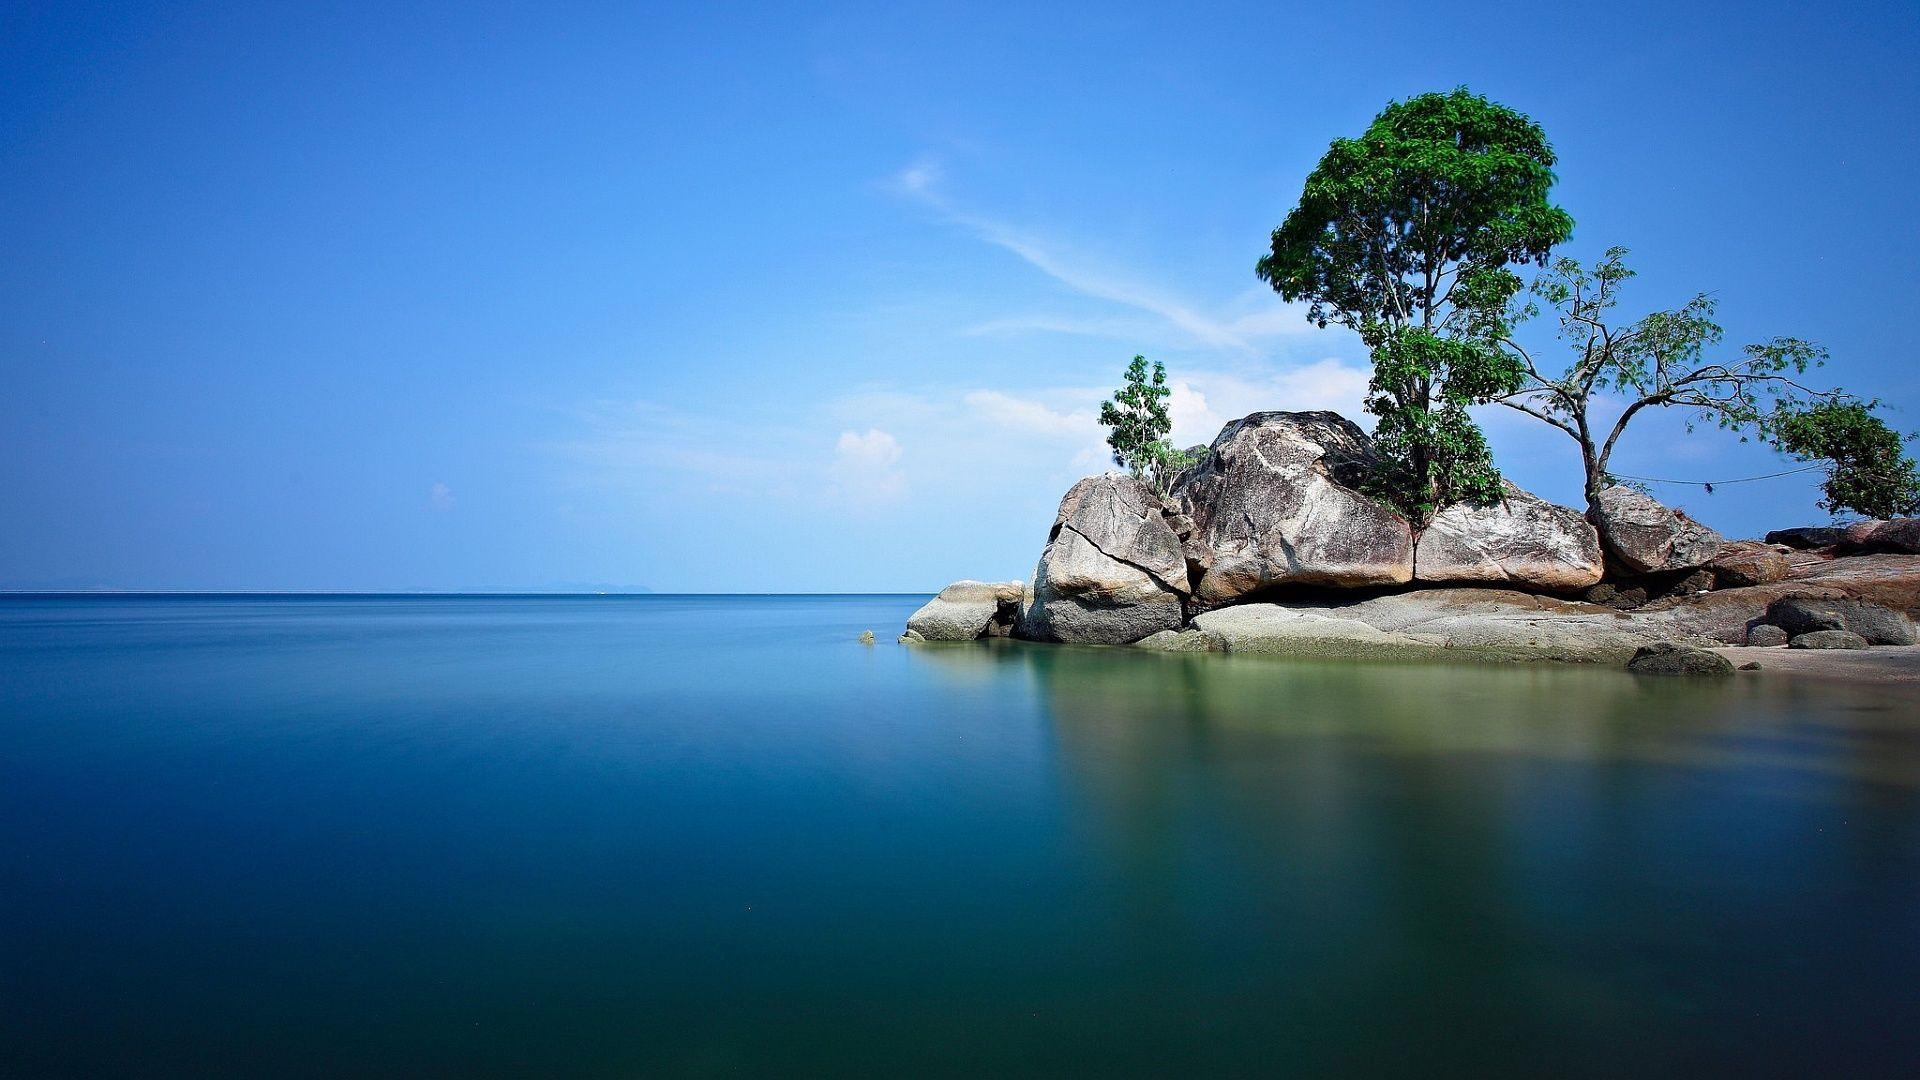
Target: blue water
(663,836)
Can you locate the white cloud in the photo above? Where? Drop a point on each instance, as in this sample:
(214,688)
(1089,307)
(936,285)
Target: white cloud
(866,468)
(440,498)
(1025,414)
(1257,315)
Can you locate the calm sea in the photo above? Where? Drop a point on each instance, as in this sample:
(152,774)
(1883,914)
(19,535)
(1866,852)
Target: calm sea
(666,836)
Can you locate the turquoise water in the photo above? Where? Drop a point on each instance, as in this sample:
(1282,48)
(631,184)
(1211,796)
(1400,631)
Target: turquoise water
(659,836)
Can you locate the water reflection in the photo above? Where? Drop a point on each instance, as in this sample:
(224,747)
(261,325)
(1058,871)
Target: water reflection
(1502,865)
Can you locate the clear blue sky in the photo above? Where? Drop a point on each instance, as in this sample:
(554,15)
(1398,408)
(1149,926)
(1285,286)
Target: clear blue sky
(813,298)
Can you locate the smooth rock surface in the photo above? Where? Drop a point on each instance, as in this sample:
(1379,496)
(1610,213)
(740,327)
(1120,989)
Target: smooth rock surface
(1276,502)
(1112,571)
(1828,639)
(1648,537)
(1523,541)
(1463,623)
(1669,658)
(966,610)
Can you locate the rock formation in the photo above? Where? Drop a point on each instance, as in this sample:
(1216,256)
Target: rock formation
(1646,537)
(1522,540)
(1276,502)
(966,610)
(1112,571)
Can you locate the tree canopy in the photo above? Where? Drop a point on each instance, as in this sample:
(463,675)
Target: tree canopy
(1406,235)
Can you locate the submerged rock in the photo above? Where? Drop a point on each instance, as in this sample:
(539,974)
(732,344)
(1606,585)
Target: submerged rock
(1276,501)
(1669,658)
(1646,537)
(966,610)
(1521,540)
(1112,571)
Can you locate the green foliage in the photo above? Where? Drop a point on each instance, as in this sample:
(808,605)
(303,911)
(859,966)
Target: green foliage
(1868,473)
(1666,359)
(1406,235)
(1139,422)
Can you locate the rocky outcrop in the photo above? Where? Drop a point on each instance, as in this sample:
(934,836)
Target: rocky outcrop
(1463,623)
(1667,658)
(1522,541)
(1798,615)
(1645,537)
(1112,572)
(966,610)
(1744,563)
(1276,502)
(1901,536)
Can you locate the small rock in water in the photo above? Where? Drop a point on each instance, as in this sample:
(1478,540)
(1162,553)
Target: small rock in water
(866,637)
(911,635)
(1751,665)
(1828,639)
(1668,658)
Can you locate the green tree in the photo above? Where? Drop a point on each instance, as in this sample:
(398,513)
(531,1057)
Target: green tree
(1868,470)
(1672,359)
(1406,235)
(1139,422)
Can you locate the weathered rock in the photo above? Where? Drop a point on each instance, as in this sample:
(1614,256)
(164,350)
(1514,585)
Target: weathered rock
(1804,615)
(910,637)
(1856,535)
(1276,502)
(1751,665)
(1669,658)
(1461,623)
(1806,537)
(1828,639)
(1766,636)
(1744,563)
(966,610)
(866,637)
(1522,540)
(1192,639)
(1646,537)
(1890,581)
(1901,536)
(1112,571)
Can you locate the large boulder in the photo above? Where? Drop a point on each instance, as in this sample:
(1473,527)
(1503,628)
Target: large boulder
(966,610)
(1745,563)
(1646,537)
(1901,536)
(1799,615)
(1522,540)
(1276,502)
(1112,571)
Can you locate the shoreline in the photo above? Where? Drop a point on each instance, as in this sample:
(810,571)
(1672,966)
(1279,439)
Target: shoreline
(1877,665)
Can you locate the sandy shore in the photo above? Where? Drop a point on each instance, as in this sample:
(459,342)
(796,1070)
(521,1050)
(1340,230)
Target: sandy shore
(1881,665)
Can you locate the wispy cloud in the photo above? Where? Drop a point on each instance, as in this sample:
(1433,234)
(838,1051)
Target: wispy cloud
(924,182)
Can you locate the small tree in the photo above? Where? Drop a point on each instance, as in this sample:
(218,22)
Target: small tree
(1137,415)
(1669,359)
(1405,235)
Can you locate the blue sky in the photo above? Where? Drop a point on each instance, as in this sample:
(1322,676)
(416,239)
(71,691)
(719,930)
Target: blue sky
(820,297)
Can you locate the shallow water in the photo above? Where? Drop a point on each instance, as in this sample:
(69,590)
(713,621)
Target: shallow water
(703,835)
